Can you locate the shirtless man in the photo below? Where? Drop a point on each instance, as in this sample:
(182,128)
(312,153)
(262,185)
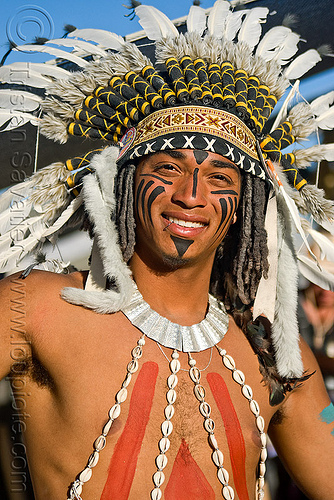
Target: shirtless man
(69,362)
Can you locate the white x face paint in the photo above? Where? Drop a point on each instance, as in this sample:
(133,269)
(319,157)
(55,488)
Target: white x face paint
(184,204)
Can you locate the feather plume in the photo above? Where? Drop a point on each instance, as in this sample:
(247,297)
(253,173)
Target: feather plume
(11,119)
(285,333)
(19,100)
(316,204)
(87,47)
(217,18)
(281,115)
(54,128)
(272,42)
(62,54)
(325,245)
(302,120)
(102,37)
(315,153)
(196,20)
(310,270)
(155,24)
(302,64)
(250,30)
(137,59)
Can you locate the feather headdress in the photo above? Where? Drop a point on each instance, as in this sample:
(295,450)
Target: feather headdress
(221,71)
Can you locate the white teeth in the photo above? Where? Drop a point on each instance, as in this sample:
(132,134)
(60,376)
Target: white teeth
(185,223)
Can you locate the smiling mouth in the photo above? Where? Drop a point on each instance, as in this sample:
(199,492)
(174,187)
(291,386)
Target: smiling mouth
(184,223)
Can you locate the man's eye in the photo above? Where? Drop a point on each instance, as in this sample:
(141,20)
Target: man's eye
(166,167)
(223,179)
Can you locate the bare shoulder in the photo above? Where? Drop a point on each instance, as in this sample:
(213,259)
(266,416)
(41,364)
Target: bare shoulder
(25,302)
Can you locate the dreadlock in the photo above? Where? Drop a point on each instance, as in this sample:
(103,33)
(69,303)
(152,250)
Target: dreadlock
(124,210)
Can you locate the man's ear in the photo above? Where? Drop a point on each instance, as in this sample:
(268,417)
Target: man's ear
(234,220)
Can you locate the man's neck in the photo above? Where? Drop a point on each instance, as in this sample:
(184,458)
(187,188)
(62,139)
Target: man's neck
(180,294)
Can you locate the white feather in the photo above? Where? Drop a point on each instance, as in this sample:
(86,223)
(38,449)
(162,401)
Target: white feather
(38,232)
(288,49)
(196,20)
(296,218)
(302,64)
(27,77)
(62,54)
(233,23)
(217,18)
(78,44)
(272,42)
(325,245)
(282,114)
(102,37)
(19,100)
(155,24)
(250,30)
(326,120)
(321,104)
(15,194)
(15,119)
(328,225)
(310,270)
(14,214)
(25,72)
(328,152)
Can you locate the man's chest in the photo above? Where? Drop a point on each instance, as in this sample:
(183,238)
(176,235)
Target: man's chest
(151,422)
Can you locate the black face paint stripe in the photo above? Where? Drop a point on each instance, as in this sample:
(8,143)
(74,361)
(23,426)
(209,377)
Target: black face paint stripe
(148,185)
(195,182)
(200,156)
(225,218)
(223,205)
(156,177)
(181,245)
(158,190)
(138,194)
(225,191)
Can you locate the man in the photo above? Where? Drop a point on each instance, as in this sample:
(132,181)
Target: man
(164,393)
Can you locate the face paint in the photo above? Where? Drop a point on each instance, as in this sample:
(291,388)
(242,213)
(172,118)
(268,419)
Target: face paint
(228,208)
(157,177)
(181,245)
(200,156)
(235,439)
(143,195)
(195,181)
(327,415)
(156,191)
(187,473)
(123,462)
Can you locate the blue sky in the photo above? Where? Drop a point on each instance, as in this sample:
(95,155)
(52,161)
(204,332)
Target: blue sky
(25,20)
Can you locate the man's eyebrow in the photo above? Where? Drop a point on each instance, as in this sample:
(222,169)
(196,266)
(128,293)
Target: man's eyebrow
(224,164)
(174,153)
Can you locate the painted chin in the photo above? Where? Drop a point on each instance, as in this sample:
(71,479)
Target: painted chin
(182,231)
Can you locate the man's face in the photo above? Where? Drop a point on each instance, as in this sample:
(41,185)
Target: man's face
(185,201)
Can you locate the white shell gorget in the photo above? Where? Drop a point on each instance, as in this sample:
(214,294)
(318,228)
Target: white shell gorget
(194,338)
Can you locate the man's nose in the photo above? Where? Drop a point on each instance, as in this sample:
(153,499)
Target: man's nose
(190,191)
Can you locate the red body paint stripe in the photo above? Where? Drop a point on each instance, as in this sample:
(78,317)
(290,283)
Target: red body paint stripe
(124,459)
(233,431)
(187,480)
